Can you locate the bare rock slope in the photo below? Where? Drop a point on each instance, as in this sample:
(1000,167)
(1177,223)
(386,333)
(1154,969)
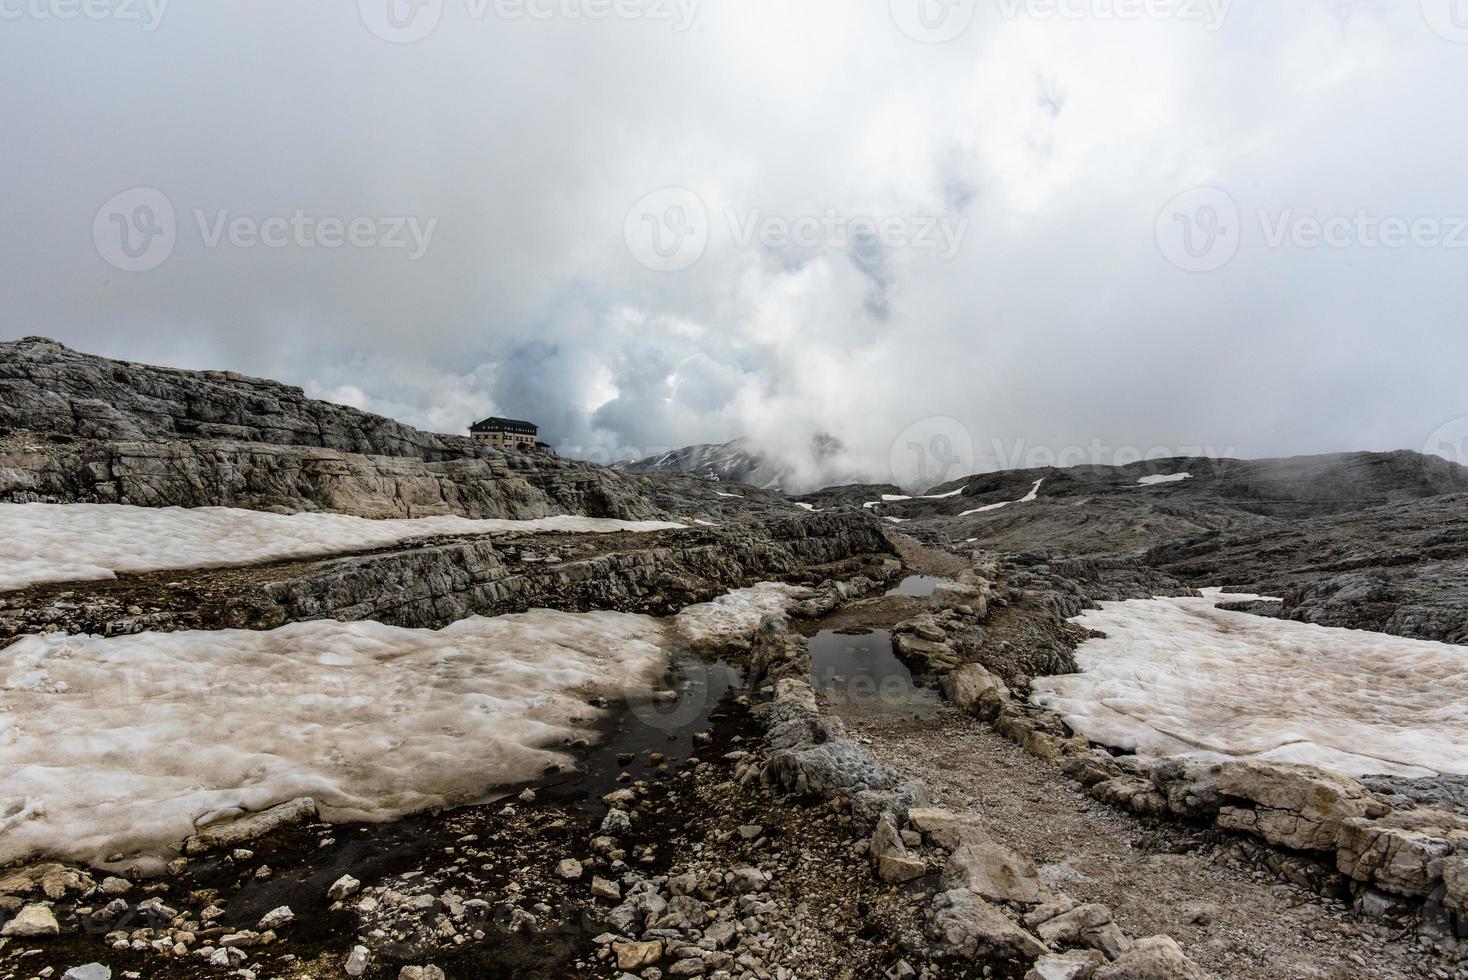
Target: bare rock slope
(1363,540)
(79,428)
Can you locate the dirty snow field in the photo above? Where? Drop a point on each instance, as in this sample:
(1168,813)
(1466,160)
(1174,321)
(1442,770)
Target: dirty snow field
(124,744)
(734,616)
(1179,676)
(42,543)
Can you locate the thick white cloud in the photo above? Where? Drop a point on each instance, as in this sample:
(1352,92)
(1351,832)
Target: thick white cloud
(1053,143)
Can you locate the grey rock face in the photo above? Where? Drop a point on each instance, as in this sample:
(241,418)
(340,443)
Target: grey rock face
(1444,792)
(46,387)
(79,428)
(287,479)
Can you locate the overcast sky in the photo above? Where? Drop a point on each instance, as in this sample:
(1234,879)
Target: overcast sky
(974,227)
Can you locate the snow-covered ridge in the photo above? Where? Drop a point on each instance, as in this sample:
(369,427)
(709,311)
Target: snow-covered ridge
(126,743)
(76,542)
(1178,676)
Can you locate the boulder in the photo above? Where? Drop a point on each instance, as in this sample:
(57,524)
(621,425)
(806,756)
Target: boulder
(898,869)
(1092,767)
(1136,793)
(894,864)
(1299,807)
(991,870)
(927,654)
(870,805)
(429,972)
(343,888)
(975,691)
(31,922)
(89,971)
(636,956)
(1455,880)
(942,827)
(53,880)
(886,841)
(1404,853)
(230,833)
(277,919)
(1155,958)
(1075,965)
(963,924)
(1191,788)
(1086,925)
(357,961)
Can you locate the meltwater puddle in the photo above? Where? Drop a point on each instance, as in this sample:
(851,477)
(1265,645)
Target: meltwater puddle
(859,672)
(920,586)
(650,732)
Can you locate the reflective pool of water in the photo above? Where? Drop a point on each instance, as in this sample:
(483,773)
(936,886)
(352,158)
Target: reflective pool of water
(920,586)
(860,669)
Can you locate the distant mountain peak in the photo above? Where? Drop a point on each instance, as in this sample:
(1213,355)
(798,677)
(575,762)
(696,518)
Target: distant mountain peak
(743,461)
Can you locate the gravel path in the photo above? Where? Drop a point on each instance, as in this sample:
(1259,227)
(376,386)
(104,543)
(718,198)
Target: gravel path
(1233,920)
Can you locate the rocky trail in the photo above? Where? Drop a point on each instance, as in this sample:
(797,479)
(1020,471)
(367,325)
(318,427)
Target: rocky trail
(1231,917)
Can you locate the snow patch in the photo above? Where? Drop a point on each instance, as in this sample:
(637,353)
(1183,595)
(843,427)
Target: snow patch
(1152,481)
(731,619)
(126,743)
(809,507)
(1027,498)
(1178,676)
(77,542)
(895,498)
